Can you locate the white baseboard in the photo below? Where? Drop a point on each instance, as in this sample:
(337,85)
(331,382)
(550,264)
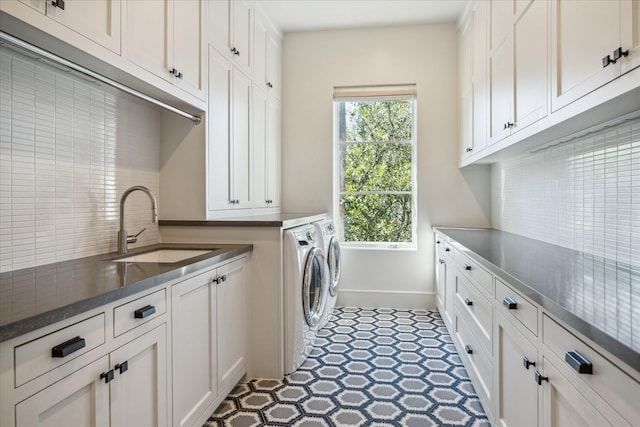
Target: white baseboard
(369,298)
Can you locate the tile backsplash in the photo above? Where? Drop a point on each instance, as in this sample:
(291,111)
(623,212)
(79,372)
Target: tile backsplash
(69,147)
(583,194)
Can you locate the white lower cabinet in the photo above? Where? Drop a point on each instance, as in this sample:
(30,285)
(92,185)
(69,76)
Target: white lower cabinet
(80,399)
(193,324)
(536,371)
(232,323)
(515,364)
(138,361)
(127,387)
(209,330)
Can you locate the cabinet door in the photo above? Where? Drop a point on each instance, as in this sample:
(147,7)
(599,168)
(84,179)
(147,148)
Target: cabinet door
(564,406)
(465,99)
(479,86)
(630,33)
(98,20)
(273,153)
(274,65)
(219,142)
(232,322)
(193,334)
(241,162)
(450,291)
(81,399)
(260,53)
(219,27)
(187,45)
(139,394)
(148,35)
(530,65)
(501,91)
(577,48)
(516,389)
(259,150)
(441,280)
(242,34)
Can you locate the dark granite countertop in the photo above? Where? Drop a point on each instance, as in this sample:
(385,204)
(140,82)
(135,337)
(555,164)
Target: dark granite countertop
(598,297)
(35,297)
(283,220)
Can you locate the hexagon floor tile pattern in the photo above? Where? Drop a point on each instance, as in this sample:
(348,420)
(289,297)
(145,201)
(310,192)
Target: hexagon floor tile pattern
(370,367)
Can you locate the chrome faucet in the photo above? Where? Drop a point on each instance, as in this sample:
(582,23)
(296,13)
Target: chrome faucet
(123,237)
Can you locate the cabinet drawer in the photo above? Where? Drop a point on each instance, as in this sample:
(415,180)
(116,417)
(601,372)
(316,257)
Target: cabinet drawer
(36,357)
(524,311)
(474,272)
(478,366)
(137,312)
(612,384)
(475,309)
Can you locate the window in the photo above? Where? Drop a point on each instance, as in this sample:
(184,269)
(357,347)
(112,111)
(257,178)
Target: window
(375,172)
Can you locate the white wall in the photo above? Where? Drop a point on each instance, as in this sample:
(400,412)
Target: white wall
(68,149)
(582,194)
(315,62)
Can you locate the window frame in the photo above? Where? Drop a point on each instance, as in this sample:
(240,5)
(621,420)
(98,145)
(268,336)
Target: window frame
(337,171)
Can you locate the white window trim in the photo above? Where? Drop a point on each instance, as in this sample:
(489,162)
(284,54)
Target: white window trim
(340,94)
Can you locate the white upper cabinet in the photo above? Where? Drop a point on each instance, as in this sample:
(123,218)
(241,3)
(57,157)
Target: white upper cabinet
(583,51)
(267,58)
(228,143)
(97,20)
(473,82)
(231,31)
(517,66)
(165,38)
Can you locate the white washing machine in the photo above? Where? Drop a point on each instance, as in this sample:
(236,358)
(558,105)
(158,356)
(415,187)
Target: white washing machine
(327,233)
(306,283)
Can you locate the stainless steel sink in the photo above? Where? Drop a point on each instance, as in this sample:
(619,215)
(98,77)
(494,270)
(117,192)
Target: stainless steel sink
(163,256)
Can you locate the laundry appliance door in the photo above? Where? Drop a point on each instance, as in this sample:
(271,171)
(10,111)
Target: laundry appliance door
(315,286)
(333,260)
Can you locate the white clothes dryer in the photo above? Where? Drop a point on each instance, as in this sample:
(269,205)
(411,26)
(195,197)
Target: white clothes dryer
(327,233)
(306,283)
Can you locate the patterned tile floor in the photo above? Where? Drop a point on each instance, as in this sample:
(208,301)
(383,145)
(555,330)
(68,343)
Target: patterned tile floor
(370,367)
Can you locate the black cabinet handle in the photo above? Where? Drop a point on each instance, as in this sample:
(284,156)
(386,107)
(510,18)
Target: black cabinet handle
(122,367)
(578,362)
(108,376)
(526,362)
(539,378)
(58,3)
(618,53)
(447,249)
(68,347)
(510,303)
(467,267)
(468,301)
(468,349)
(143,312)
(216,280)
(441,260)
(468,150)
(437,242)
(607,60)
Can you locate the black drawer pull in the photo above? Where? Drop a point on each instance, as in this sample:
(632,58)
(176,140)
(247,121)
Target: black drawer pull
(526,362)
(467,267)
(68,347)
(578,362)
(468,349)
(539,378)
(510,303)
(143,312)
(468,301)
(447,249)
(108,376)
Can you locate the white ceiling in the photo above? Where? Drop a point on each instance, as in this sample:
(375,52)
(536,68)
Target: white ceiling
(311,15)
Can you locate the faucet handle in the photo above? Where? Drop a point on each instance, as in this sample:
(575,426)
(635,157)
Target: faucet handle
(134,238)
